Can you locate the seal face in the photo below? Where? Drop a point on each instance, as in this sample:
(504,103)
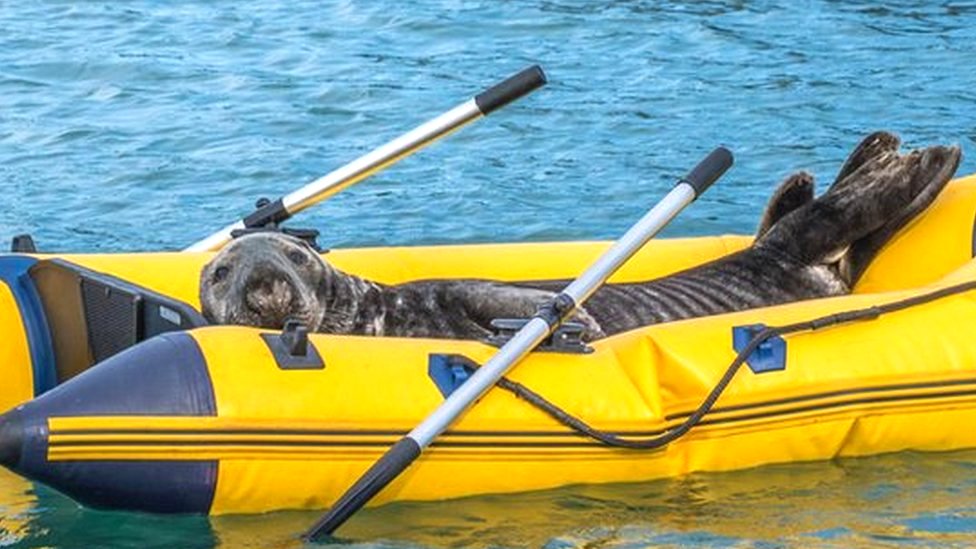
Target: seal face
(805,248)
(263,279)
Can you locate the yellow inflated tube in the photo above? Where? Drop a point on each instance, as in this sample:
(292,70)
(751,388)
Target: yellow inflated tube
(297,438)
(18,383)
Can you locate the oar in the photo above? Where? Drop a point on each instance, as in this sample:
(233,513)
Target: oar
(480,105)
(540,326)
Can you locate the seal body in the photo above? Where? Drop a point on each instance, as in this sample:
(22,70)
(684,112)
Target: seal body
(264,278)
(806,248)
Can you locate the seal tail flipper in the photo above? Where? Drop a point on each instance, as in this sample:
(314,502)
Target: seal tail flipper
(798,189)
(792,193)
(828,224)
(935,168)
(880,190)
(870,147)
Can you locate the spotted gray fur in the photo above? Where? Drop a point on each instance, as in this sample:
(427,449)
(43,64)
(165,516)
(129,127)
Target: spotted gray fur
(263,278)
(805,248)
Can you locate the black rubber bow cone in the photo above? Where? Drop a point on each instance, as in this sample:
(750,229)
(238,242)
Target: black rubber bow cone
(11,439)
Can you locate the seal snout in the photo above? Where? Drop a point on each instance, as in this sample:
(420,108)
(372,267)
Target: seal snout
(271,295)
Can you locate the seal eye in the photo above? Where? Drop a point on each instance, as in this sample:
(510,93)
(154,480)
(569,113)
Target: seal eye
(220,273)
(297,257)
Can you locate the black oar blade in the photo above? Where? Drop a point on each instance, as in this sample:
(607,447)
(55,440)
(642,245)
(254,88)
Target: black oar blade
(393,462)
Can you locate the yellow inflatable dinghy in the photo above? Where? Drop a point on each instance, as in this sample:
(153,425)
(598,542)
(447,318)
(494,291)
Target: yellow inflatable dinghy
(139,405)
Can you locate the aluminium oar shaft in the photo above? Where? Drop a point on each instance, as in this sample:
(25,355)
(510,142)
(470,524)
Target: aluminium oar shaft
(687,189)
(539,326)
(383,156)
(404,452)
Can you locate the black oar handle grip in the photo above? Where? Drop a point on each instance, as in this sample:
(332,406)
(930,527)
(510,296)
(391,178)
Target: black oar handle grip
(510,89)
(708,170)
(393,462)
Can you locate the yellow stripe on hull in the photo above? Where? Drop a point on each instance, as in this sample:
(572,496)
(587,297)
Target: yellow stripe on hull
(268,476)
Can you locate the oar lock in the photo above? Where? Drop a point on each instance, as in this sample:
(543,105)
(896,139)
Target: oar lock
(566,338)
(23,244)
(291,348)
(267,217)
(768,356)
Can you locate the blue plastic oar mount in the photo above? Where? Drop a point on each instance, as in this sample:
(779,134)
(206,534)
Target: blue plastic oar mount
(769,356)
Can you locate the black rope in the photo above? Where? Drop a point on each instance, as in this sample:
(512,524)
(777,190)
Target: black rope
(674,433)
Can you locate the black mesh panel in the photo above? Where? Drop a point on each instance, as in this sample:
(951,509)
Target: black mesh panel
(112,316)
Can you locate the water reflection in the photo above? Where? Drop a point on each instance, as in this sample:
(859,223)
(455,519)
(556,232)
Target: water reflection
(919,498)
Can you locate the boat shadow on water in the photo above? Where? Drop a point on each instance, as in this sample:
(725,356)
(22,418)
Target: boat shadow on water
(904,497)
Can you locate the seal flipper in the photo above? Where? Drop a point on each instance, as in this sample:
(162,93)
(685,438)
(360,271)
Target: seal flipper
(794,192)
(870,147)
(872,154)
(936,167)
(885,192)
(849,210)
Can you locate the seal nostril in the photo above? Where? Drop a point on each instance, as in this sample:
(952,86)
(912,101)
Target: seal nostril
(254,282)
(271,296)
(282,291)
(261,285)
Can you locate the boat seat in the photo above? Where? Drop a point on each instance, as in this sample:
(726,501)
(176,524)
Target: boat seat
(92,315)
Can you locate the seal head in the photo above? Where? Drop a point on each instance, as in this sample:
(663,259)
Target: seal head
(262,280)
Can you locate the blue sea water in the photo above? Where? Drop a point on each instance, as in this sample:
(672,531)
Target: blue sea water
(146,125)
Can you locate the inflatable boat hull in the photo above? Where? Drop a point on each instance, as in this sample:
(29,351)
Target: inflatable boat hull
(209,420)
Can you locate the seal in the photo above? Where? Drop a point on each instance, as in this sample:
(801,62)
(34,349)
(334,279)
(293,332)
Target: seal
(262,279)
(805,248)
